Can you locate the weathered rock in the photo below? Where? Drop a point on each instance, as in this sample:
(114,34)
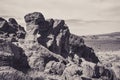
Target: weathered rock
(12,21)
(76,40)
(72,72)
(88,69)
(3,25)
(78,47)
(8,73)
(116,69)
(11,30)
(58,39)
(108,74)
(55,68)
(12,55)
(34,18)
(104,73)
(45,52)
(99,69)
(21,33)
(17,29)
(53,34)
(39,56)
(84,52)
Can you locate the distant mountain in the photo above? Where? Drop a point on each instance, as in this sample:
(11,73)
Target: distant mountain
(110,34)
(103,42)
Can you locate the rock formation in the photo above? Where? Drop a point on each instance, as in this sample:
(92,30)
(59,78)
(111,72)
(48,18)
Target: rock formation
(77,46)
(47,51)
(38,56)
(11,30)
(53,34)
(12,55)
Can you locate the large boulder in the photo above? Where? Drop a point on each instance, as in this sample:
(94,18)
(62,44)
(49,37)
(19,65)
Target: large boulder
(105,73)
(11,30)
(39,56)
(116,69)
(3,25)
(52,34)
(17,29)
(47,52)
(75,40)
(72,72)
(78,47)
(12,55)
(88,69)
(35,22)
(55,68)
(9,73)
(34,18)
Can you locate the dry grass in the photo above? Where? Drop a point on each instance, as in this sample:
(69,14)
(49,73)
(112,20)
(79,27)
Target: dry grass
(109,56)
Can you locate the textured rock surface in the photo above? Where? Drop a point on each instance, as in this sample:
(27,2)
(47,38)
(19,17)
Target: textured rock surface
(55,68)
(39,56)
(78,47)
(47,51)
(53,34)
(12,55)
(8,73)
(11,30)
(71,72)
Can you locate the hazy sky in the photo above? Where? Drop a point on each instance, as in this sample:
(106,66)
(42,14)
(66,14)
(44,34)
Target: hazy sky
(105,12)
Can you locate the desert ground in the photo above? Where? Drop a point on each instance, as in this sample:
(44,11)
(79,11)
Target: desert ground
(106,47)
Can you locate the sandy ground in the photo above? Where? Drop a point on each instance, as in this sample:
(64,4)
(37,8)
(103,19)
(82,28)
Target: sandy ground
(107,49)
(107,57)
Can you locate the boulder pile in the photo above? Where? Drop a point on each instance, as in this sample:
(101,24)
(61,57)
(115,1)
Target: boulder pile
(11,30)
(46,51)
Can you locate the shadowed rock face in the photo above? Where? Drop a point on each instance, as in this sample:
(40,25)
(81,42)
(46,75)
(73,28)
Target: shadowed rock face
(8,73)
(53,34)
(38,56)
(48,52)
(11,30)
(78,47)
(12,55)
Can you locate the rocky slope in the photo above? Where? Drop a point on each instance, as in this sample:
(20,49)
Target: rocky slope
(46,51)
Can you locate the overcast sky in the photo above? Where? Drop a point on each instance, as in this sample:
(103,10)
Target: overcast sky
(91,11)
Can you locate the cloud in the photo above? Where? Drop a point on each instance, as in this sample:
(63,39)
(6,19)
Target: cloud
(67,9)
(92,13)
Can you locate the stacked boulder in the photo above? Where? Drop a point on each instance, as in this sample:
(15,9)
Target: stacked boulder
(46,51)
(11,30)
(78,47)
(13,56)
(52,34)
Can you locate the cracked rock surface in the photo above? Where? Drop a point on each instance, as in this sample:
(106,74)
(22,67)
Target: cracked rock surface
(47,50)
